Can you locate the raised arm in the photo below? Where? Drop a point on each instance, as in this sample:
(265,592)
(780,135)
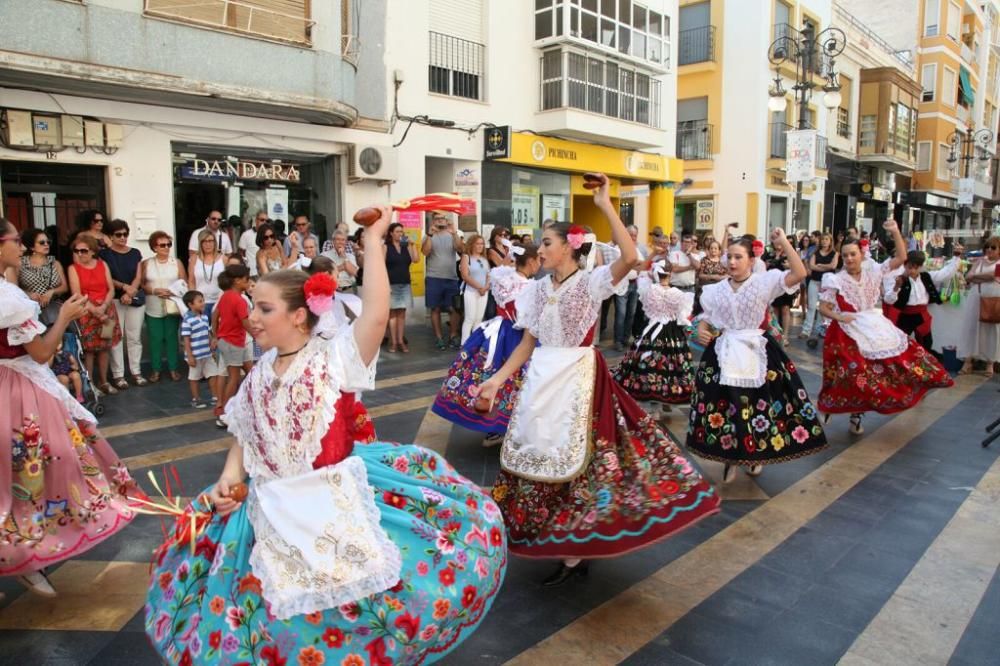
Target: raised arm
(370,326)
(796,269)
(626,260)
(900,245)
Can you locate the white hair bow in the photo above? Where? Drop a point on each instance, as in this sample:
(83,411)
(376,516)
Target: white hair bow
(516,250)
(592,255)
(305,262)
(659,268)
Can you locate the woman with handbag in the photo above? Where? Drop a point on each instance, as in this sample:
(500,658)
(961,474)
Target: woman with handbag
(124,261)
(99,329)
(981,337)
(163,316)
(40,275)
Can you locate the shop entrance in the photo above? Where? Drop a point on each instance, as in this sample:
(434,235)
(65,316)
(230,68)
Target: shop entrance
(50,196)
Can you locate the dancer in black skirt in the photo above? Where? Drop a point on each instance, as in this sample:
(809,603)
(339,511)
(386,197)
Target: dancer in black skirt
(749,407)
(659,368)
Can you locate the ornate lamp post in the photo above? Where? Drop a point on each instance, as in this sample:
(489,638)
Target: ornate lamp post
(808,51)
(966,147)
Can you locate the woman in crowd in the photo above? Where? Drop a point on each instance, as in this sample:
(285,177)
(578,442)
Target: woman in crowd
(750,408)
(778,259)
(486,350)
(40,276)
(99,329)
(91,223)
(585,473)
(980,340)
(270,256)
(163,316)
(868,363)
(711,269)
(204,269)
(498,254)
(824,259)
(124,262)
(397,558)
(474,270)
(62,488)
(343,260)
(399,253)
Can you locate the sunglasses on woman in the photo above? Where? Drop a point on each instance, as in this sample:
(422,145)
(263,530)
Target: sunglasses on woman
(81,250)
(120,234)
(41,242)
(167,244)
(268,236)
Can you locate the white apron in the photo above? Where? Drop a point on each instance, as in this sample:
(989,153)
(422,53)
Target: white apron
(742,357)
(875,335)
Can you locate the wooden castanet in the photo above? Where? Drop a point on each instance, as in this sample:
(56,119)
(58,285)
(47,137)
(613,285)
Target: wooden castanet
(367,216)
(238,492)
(591,181)
(482,406)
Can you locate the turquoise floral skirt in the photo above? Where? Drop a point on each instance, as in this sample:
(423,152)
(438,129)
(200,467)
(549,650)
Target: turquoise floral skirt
(205,606)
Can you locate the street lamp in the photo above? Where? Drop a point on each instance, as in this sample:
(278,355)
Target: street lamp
(803,49)
(966,147)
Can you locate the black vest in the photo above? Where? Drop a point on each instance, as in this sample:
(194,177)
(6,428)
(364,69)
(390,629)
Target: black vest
(933,295)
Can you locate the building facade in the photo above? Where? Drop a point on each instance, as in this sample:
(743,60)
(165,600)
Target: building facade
(158,112)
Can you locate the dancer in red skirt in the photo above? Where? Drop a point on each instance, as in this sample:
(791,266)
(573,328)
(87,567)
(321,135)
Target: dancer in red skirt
(868,363)
(585,472)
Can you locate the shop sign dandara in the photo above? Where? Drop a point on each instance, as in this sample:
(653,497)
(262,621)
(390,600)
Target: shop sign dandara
(243,170)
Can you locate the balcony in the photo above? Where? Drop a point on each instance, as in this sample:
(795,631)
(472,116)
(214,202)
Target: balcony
(456,66)
(242,17)
(577,90)
(696,45)
(694,140)
(779,142)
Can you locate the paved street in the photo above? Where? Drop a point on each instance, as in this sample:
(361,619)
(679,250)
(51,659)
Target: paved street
(882,550)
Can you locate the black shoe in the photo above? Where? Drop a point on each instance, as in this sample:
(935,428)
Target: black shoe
(812,343)
(564,573)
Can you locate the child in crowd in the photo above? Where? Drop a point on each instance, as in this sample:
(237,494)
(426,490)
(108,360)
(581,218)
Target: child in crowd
(910,289)
(199,348)
(230,324)
(67,371)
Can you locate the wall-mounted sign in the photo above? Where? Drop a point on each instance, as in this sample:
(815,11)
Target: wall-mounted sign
(496,143)
(241,170)
(704,215)
(524,205)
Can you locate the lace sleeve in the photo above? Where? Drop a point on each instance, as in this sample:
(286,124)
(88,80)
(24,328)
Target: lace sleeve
(829,287)
(643,285)
(711,310)
(601,287)
(529,307)
(776,285)
(346,364)
(18,314)
(685,307)
(505,282)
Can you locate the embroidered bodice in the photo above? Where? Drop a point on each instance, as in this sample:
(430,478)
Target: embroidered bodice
(865,293)
(564,317)
(746,307)
(664,304)
(505,284)
(287,425)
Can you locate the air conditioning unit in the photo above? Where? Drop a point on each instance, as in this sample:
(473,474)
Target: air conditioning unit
(371,163)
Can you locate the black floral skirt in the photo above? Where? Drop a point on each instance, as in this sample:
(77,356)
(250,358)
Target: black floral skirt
(659,368)
(753,426)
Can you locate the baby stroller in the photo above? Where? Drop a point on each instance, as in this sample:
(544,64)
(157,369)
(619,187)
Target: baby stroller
(73,345)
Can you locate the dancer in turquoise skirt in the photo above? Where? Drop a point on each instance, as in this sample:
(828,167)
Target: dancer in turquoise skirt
(344,551)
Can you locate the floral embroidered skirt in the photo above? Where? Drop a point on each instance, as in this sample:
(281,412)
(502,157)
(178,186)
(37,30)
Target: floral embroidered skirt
(659,368)
(636,489)
(206,607)
(753,426)
(453,401)
(853,383)
(62,488)
(90,332)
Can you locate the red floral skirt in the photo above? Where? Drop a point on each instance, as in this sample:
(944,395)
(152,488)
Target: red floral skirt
(853,383)
(90,332)
(636,489)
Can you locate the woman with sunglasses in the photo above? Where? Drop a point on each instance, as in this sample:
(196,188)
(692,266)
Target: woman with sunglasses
(124,263)
(40,276)
(204,270)
(91,223)
(498,254)
(62,488)
(270,257)
(99,329)
(163,316)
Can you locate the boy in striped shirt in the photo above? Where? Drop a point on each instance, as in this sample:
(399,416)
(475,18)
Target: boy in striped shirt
(198,349)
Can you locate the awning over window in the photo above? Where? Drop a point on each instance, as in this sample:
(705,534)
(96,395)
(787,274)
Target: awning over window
(966,95)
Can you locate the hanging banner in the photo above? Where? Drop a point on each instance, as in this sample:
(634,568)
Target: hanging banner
(800,156)
(277,204)
(966,191)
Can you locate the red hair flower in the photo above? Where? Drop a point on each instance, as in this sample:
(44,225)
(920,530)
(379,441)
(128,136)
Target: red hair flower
(575,236)
(319,290)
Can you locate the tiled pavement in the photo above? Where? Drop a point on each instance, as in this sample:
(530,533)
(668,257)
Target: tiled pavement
(882,550)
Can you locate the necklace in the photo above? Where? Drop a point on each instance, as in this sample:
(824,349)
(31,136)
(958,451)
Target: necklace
(277,381)
(204,272)
(556,279)
(735,281)
(292,353)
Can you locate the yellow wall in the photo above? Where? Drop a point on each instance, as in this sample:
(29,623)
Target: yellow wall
(753,210)
(586,214)
(704,79)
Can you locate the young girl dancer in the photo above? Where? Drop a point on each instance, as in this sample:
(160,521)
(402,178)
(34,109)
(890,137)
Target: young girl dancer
(62,489)
(749,408)
(486,350)
(585,472)
(659,368)
(868,363)
(342,552)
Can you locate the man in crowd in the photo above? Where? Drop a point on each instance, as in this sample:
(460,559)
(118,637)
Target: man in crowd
(300,231)
(627,304)
(441,246)
(248,242)
(684,265)
(213,223)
